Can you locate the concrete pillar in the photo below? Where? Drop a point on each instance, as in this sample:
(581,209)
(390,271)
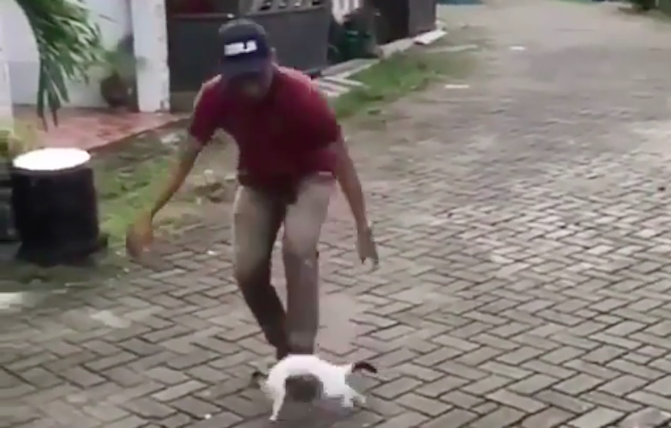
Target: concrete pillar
(150,43)
(6,110)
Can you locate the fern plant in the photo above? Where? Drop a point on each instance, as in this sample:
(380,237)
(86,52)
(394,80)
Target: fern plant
(68,44)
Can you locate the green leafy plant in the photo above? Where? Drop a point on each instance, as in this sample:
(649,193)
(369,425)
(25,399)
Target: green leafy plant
(121,59)
(120,63)
(118,84)
(68,44)
(5,153)
(19,138)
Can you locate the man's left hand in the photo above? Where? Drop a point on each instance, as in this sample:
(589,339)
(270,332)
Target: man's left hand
(366,246)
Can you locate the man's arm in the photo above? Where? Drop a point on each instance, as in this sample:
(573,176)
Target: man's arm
(349,182)
(187,158)
(201,130)
(320,121)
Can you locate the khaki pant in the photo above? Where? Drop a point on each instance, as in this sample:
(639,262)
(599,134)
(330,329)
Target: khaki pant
(258,216)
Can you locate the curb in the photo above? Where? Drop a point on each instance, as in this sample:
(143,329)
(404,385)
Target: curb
(335,80)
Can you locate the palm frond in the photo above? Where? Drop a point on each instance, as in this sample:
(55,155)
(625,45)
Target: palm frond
(68,44)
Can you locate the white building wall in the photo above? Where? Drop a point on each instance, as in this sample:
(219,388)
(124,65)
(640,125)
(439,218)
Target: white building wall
(146,19)
(114,19)
(151,49)
(6,113)
(343,7)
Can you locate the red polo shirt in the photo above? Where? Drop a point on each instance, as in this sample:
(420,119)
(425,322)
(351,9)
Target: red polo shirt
(285,136)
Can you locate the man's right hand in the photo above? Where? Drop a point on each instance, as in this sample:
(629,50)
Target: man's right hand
(139,236)
(366,246)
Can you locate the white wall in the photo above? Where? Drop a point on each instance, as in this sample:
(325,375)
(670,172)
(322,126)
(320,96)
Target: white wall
(113,16)
(343,7)
(6,113)
(151,48)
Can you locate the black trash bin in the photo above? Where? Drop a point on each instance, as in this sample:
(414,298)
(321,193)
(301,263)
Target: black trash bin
(7,229)
(400,19)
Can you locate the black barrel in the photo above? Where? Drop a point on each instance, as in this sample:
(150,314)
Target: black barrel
(7,230)
(55,207)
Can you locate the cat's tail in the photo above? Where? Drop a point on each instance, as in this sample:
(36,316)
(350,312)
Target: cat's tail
(258,377)
(361,366)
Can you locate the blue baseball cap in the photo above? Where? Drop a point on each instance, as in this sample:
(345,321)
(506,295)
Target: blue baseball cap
(245,48)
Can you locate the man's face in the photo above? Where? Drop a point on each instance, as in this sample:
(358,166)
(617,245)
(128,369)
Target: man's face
(253,86)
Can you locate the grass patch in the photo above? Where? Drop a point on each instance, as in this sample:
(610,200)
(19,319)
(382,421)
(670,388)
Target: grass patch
(396,76)
(124,194)
(660,15)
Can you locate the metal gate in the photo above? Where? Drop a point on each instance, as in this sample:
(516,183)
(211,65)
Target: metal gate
(298,29)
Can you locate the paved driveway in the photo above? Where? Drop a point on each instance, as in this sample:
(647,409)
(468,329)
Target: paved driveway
(525,282)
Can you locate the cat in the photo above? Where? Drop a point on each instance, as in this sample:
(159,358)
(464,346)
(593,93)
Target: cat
(333,379)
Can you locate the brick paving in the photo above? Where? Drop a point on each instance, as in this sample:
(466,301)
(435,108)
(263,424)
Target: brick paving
(524,229)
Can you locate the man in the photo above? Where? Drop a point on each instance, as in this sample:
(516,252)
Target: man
(291,156)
